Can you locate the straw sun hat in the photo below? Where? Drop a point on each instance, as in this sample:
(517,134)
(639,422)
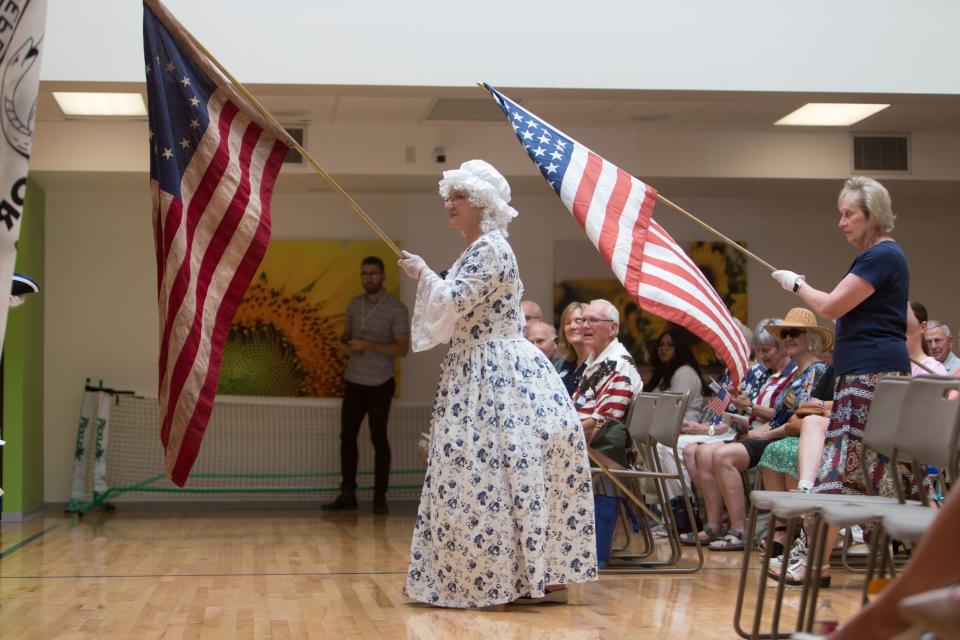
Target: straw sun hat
(804,319)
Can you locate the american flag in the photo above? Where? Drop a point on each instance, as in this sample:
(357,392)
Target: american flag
(213,165)
(615,209)
(720,400)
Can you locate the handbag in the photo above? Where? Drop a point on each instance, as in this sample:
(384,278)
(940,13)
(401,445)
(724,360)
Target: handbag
(606,509)
(614,441)
(682,519)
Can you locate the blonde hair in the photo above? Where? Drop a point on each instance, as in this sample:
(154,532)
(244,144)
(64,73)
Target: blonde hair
(872,198)
(563,347)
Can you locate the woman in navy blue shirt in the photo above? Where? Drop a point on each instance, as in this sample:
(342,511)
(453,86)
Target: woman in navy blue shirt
(870,307)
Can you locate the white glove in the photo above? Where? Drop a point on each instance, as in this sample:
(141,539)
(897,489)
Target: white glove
(412,265)
(789,280)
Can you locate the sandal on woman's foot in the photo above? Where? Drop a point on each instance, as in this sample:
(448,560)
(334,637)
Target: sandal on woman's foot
(777,545)
(558,596)
(687,539)
(733,541)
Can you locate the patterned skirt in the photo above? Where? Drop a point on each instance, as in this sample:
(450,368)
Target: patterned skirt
(840,471)
(781,456)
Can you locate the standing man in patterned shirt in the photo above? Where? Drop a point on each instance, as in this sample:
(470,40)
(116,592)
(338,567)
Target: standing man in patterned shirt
(377,332)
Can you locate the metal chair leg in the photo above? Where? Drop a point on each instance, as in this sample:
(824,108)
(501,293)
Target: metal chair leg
(782,581)
(744,568)
(812,583)
(622,517)
(762,584)
(871,567)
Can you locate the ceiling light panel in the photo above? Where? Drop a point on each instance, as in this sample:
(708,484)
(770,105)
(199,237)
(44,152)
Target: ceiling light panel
(829,114)
(100,104)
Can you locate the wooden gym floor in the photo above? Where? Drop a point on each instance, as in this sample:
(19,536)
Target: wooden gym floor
(296,573)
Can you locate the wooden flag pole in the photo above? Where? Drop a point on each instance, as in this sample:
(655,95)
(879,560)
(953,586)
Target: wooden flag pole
(293,143)
(727,240)
(924,367)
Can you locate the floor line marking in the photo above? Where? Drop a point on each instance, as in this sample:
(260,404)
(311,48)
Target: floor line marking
(26,541)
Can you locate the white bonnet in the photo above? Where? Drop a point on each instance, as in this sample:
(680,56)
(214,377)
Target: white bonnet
(487,189)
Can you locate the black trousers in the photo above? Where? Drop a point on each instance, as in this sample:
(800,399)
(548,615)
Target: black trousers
(361,400)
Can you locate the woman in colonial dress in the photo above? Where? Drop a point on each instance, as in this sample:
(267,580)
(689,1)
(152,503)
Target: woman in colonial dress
(506,513)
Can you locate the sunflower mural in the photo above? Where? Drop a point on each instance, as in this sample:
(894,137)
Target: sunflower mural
(285,338)
(726,269)
(723,267)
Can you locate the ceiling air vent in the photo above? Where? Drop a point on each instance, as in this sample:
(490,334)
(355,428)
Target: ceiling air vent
(465,109)
(881,153)
(293,156)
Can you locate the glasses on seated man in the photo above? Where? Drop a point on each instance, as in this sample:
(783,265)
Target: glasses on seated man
(594,320)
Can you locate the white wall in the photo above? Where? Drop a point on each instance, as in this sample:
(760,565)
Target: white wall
(100,290)
(750,45)
(85,145)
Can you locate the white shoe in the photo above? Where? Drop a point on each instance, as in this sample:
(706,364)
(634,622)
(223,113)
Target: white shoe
(798,552)
(659,531)
(856,532)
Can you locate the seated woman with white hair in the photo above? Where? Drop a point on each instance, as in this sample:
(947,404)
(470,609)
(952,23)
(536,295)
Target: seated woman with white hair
(506,514)
(699,440)
(803,340)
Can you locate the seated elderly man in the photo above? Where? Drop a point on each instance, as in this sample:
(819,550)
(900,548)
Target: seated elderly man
(610,378)
(939,343)
(544,337)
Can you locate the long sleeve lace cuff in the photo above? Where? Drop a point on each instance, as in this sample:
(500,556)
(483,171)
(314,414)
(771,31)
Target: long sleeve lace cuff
(433,315)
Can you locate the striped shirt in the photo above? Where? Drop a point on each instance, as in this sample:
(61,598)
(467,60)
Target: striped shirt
(608,384)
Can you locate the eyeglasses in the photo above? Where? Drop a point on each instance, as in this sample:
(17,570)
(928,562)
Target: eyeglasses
(792,333)
(575,321)
(457,197)
(594,320)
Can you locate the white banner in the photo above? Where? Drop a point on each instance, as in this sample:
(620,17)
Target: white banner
(88,416)
(21,42)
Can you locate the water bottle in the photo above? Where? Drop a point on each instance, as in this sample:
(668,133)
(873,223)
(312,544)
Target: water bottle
(825,620)
(934,474)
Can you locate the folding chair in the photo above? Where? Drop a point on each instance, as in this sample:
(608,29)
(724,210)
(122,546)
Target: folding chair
(638,420)
(928,431)
(884,417)
(664,428)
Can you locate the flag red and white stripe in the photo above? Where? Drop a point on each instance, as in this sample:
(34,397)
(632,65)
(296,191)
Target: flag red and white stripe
(615,209)
(211,213)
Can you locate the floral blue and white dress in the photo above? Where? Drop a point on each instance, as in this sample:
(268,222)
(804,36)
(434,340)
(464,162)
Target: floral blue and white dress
(507,506)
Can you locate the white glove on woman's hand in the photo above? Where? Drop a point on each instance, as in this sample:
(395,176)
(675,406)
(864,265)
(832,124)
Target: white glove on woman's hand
(789,280)
(412,265)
